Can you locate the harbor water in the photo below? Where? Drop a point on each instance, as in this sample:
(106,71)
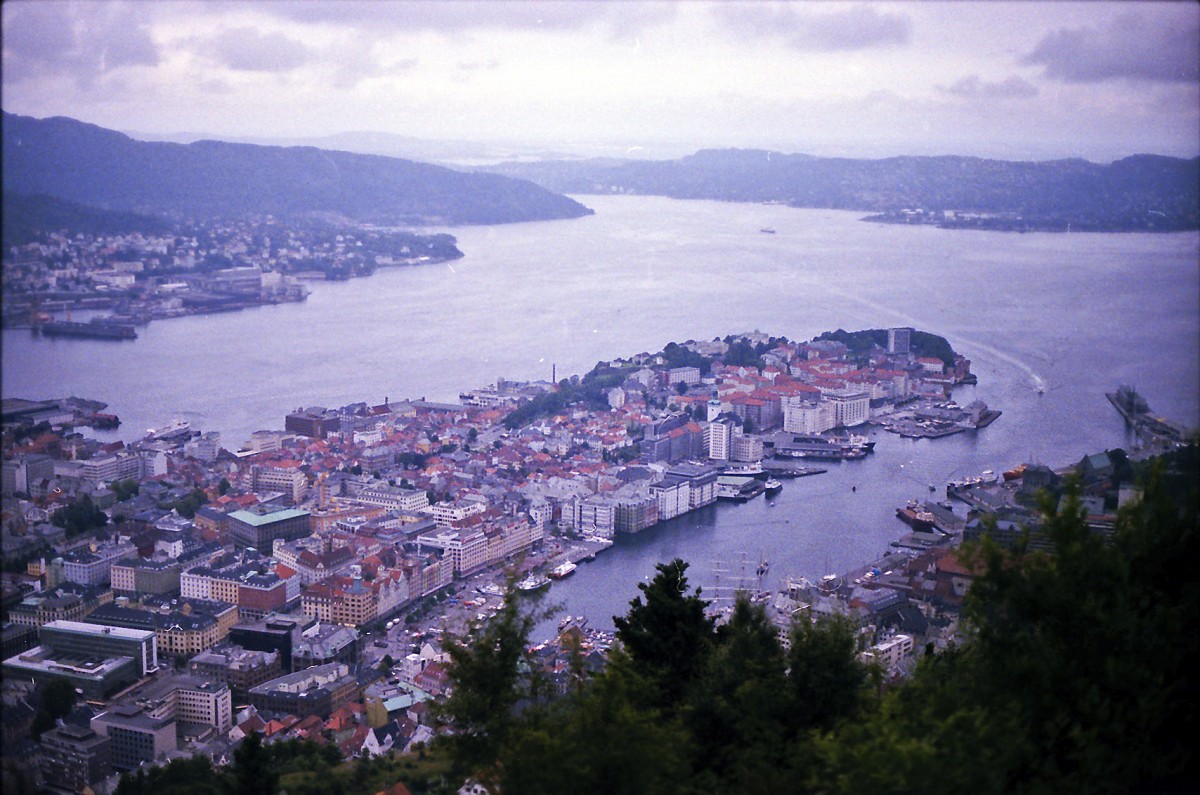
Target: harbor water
(1049,321)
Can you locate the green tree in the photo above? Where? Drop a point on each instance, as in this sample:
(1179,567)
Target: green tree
(737,711)
(1079,676)
(79,517)
(223,487)
(124,489)
(57,700)
(667,636)
(825,677)
(188,505)
(253,773)
(603,738)
(490,674)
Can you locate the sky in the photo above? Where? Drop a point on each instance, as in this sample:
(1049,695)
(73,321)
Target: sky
(1014,80)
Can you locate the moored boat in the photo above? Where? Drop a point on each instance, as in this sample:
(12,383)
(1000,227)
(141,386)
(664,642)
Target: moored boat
(533,582)
(563,570)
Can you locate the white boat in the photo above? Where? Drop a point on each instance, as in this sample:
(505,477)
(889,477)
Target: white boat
(563,570)
(532,583)
(772,485)
(175,427)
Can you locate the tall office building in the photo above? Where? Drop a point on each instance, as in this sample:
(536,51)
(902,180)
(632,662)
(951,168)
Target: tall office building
(899,340)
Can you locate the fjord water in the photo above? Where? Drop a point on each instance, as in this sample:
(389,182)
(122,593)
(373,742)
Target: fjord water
(1050,322)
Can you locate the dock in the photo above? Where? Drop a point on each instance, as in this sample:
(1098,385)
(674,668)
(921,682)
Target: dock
(93,330)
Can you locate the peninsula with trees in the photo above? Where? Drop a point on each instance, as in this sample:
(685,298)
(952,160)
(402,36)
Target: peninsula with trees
(1148,193)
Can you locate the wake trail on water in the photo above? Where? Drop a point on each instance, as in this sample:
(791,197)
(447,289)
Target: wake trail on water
(1039,383)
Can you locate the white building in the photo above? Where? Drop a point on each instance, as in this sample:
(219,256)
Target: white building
(394,498)
(447,513)
(890,652)
(291,481)
(745,448)
(684,375)
(851,410)
(105,469)
(93,566)
(673,495)
(717,438)
(802,415)
(594,516)
(467,552)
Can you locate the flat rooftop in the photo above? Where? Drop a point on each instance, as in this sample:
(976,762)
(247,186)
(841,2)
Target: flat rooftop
(257,520)
(96,630)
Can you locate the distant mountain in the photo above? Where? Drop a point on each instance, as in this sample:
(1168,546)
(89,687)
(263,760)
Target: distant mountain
(442,152)
(25,216)
(93,166)
(1138,192)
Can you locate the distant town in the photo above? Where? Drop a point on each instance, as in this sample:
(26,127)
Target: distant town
(198,268)
(190,594)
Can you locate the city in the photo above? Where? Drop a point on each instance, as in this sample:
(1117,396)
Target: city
(201,586)
(301,585)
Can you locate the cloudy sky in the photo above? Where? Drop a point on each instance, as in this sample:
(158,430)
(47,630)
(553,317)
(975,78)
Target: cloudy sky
(1018,80)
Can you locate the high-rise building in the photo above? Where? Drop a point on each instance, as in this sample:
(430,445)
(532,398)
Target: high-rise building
(899,340)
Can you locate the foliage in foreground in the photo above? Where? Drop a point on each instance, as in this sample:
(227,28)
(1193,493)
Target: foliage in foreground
(1078,677)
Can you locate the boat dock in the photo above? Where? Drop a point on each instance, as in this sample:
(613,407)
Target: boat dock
(93,330)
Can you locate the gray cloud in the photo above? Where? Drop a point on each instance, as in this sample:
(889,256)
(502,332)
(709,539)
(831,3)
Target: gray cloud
(1131,46)
(82,41)
(847,28)
(973,87)
(249,50)
(464,16)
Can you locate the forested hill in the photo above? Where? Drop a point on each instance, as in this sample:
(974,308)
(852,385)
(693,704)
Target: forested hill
(1142,192)
(102,168)
(26,216)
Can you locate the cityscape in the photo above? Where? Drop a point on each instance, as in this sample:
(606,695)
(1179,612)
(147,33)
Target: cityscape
(883,478)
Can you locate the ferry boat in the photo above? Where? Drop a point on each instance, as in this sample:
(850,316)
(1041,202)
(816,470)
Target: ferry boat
(563,570)
(533,582)
(174,429)
(772,485)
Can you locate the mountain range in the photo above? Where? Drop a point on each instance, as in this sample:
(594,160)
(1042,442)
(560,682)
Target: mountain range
(1141,192)
(96,167)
